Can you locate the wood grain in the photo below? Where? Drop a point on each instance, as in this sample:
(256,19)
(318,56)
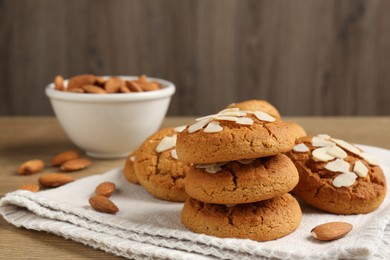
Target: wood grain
(319,57)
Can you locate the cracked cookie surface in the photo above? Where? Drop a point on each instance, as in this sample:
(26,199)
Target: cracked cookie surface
(262,179)
(236,141)
(159,173)
(261,221)
(315,184)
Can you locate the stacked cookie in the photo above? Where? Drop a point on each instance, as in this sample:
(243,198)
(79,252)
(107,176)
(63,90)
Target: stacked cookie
(239,179)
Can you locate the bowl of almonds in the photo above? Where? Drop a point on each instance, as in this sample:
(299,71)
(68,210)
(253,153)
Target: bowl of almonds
(109,116)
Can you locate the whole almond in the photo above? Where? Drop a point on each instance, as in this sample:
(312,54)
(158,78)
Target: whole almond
(80,81)
(133,86)
(105,189)
(150,86)
(75,164)
(31,166)
(51,180)
(76,90)
(100,81)
(33,187)
(59,83)
(94,89)
(114,84)
(331,231)
(103,204)
(64,157)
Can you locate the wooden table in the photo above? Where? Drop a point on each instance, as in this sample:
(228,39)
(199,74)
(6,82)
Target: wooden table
(24,138)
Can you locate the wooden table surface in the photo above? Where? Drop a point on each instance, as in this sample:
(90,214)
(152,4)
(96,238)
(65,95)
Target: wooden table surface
(24,138)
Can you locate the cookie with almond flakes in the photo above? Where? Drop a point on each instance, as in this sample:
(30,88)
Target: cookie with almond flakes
(242,181)
(157,168)
(336,176)
(260,221)
(233,134)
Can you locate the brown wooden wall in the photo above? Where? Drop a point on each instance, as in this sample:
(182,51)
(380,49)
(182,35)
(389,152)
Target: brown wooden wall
(307,57)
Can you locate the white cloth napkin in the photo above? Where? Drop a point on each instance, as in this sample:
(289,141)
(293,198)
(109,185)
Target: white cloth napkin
(146,227)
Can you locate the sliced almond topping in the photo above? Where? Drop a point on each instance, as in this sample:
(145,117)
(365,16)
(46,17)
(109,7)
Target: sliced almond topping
(210,168)
(179,129)
(244,121)
(337,152)
(264,116)
(246,161)
(166,143)
(301,148)
(321,154)
(199,125)
(347,146)
(233,113)
(132,158)
(174,154)
(225,118)
(323,136)
(345,179)
(369,158)
(360,169)
(206,117)
(213,127)
(320,142)
(338,165)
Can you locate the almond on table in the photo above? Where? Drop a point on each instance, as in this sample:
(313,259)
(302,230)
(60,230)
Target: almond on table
(331,231)
(33,187)
(52,180)
(64,157)
(76,164)
(31,166)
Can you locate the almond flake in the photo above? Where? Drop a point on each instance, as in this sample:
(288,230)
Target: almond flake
(166,143)
(320,142)
(206,117)
(360,169)
(211,168)
(132,158)
(225,118)
(301,148)
(323,136)
(337,152)
(199,125)
(338,165)
(244,121)
(246,161)
(369,158)
(264,116)
(179,129)
(345,179)
(213,127)
(233,113)
(174,154)
(321,154)
(347,146)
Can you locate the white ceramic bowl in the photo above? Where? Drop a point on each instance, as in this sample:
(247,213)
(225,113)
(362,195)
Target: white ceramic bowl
(111,125)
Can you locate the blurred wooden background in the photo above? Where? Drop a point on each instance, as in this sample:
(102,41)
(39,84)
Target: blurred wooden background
(307,57)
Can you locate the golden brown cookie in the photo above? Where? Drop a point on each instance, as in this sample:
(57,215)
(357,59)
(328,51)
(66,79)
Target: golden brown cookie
(158,169)
(233,135)
(242,181)
(336,176)
(129,170)
(257,105)
(261,221)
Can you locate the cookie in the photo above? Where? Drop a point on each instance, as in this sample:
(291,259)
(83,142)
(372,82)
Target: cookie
(242,181)
(257,105)
(336,176)
(158,169)
(128,170)
(261,221)
(233,134)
